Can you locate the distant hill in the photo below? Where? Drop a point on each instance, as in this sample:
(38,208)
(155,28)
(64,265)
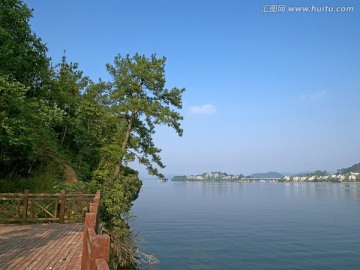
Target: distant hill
(267,175)
(353,168)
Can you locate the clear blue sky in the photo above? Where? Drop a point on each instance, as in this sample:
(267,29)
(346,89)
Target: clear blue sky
(265,91)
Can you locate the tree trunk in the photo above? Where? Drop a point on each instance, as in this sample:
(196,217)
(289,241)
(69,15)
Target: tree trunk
(123,146)
(63,136)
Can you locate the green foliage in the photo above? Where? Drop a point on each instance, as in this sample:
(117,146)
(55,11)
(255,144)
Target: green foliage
(22,54)
(122,116)
(139,100)
(78,187)
(40,182)
(27,139)
(179,178)
(74,134)
(54,120)
(117,198)
(25,127)
(319,173)
(353,168)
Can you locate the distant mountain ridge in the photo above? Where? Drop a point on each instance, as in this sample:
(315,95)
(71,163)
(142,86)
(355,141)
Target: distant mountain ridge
(267,175)
(353,168)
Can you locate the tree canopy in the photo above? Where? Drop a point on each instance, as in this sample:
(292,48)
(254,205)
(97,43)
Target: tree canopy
(353,168)
(22,54)
(56,121)
(138,98)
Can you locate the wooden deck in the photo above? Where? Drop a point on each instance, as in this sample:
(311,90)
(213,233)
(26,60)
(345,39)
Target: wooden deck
(48,246)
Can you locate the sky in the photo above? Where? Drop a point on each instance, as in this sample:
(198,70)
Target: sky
(267,89)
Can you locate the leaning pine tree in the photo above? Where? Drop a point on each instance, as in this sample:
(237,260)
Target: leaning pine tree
(136,101)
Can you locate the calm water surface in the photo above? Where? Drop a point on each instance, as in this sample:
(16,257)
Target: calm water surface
(189,225)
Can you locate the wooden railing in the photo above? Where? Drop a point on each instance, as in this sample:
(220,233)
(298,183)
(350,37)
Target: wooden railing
(26,207)
(96,246)
(62,208)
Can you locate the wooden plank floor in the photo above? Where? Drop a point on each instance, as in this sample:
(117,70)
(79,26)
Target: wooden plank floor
(49,246)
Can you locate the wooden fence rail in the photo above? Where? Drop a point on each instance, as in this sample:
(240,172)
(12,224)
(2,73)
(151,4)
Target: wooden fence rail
(96,246)
(26,207)
(62,208)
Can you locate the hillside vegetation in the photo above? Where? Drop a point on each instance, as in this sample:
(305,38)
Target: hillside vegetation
(61,130)
(353,168)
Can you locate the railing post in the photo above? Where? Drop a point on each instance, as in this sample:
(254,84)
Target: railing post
(100,249)
(97,202)
(62,207)
(25,207)
(96,247)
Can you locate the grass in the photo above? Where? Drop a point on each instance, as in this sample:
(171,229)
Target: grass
(38,183)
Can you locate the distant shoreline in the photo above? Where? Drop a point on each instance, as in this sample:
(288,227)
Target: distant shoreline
(265,181)
(273,177)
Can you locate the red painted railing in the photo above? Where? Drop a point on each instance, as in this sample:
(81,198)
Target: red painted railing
(96,247)
(62,208)
(32,208)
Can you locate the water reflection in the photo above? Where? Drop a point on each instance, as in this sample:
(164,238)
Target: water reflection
(250,225)
(212,188)
(349,192)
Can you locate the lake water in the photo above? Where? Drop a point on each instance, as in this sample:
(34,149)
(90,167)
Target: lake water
(189,225)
